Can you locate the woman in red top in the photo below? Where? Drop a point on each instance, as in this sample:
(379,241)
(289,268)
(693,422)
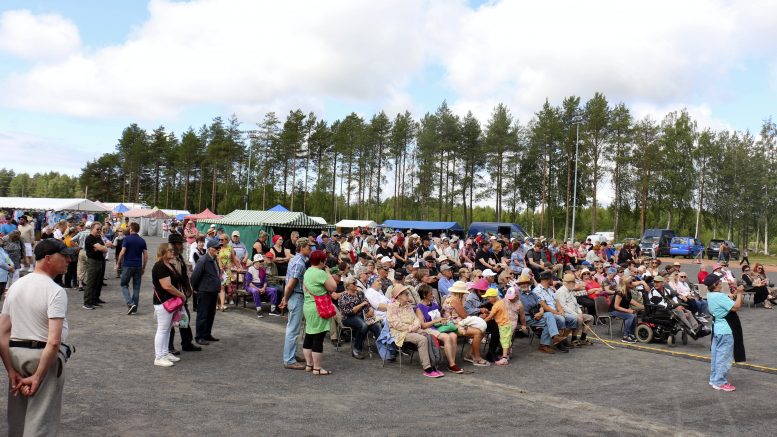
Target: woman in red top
(593,288)
(702,274)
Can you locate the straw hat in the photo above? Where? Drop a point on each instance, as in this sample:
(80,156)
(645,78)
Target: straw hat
(458,287)
(397,290)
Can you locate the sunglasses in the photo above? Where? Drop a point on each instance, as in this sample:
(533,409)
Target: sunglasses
(223,239)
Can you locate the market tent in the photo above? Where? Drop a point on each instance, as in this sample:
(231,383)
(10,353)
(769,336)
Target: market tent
(250,223)
(206,214)
(278,208)
(319,220)
(51,204)
(356,224)
(120,208)
(150,220)
(179,214)
(423,226)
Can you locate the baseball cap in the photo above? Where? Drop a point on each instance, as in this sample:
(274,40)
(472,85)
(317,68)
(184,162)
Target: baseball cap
(50,246)
(258,258)
(175,238)
(214,243)
(711,280)
(488,272)
(236,233)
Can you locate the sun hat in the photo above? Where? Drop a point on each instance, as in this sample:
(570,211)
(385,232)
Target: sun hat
(524,279)
(716,266)
(398,289)
(510,295)
(658,278)
(491,292)
(569,277)
(458,287)
(481,284)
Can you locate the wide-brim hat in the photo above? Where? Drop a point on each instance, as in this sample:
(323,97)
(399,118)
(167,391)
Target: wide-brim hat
(398,289)
(458,287)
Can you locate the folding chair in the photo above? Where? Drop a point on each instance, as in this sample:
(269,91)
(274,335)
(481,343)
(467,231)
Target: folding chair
(603,312)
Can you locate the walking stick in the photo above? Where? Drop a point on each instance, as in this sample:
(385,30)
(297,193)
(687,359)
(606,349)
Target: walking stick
(597,336)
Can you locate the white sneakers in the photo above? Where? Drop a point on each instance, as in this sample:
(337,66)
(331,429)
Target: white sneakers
(168,360)
(163,362)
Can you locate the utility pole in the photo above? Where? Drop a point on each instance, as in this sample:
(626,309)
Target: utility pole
(252,135)
(574,191)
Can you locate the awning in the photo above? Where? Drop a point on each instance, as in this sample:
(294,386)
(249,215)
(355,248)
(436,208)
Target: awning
(50,204)
(266,218)
(356,224)
(206,214)
(422,226)
(278,208)
(120,208)
(146,213)
(320,220)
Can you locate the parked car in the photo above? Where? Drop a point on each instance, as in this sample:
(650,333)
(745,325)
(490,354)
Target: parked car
(688,247)
(661,237)
(713,249)
(508,229)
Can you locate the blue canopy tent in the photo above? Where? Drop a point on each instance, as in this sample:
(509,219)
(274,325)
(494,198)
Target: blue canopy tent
(278,208)
(181,216)
(120,208)
(423,226)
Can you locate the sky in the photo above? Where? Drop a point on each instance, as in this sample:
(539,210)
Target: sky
(74,73)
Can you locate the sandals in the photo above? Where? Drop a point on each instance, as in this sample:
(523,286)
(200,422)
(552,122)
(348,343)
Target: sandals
(502,362)
(481,363)
(321,372)
(308,367)
(469,360)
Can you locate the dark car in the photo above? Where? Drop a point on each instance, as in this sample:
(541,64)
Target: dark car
(659,237)
(713,249)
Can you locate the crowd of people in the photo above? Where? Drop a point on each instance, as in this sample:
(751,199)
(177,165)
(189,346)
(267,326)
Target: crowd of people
(417,294)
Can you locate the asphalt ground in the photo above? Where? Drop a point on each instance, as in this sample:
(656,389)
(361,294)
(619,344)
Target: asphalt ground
(238,387)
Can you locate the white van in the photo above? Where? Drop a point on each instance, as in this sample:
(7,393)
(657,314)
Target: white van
(598,238)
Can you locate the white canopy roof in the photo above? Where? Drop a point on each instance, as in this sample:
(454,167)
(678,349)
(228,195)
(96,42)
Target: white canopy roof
(320,220)
(50,204)
(356,224)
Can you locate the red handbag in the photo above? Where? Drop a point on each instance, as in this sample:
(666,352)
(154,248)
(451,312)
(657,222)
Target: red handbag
(171,305)
(324,306)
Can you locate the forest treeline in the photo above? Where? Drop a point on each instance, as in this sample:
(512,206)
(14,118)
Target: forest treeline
(446,167)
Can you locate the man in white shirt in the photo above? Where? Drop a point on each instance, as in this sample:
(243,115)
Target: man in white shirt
(566,297)
(378,301)
(33,331)
(27,231)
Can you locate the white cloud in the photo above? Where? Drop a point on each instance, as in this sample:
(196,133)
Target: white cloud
(30,153)
(37,37)
(249,57)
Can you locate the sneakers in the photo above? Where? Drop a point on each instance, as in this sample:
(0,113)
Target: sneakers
(455,369)
(433,374)
(724,387)
(163,362)
(133,309)
(172,358)
(87,307)
(259,314)
(274,311)
(629,339)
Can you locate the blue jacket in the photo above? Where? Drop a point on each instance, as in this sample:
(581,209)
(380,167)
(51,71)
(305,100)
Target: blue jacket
(206,277)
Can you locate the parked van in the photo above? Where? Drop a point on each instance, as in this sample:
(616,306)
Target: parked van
(660,237)
(494,228)
(599,237)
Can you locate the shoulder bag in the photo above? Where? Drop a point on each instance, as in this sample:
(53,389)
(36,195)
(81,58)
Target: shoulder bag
(324,305)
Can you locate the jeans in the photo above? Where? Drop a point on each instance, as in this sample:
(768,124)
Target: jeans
(549,325)
(360,329)
(722,355)
(699,306)
(629,321)
(570,321)
(135,273)
(164,322)
(292,327)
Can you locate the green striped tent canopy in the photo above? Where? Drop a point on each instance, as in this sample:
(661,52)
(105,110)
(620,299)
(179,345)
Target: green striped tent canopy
(242,217)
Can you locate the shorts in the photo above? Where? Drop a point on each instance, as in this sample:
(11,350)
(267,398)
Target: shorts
(28,249)
(506,335)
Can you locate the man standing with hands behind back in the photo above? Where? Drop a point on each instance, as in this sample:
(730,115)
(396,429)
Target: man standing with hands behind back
(95,255)
(206,282)
(32,329)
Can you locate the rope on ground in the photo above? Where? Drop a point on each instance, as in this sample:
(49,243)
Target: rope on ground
(686,355)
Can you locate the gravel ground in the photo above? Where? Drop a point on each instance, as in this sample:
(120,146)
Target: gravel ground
(238,386)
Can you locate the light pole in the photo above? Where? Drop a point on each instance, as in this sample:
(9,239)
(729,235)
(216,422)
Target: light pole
(577,121)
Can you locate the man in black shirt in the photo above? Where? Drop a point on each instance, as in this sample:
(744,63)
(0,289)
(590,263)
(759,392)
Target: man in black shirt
(484,259)
(536,259)
(95,255)
(384,250)
(291,244)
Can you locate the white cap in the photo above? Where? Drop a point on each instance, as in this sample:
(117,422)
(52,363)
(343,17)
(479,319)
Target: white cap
(492,238)
(213,226)
(88,224)
(488,272)
(385,259)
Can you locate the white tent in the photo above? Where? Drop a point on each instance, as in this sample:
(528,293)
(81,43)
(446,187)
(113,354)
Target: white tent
(50,204)
(356,224)
(320,220)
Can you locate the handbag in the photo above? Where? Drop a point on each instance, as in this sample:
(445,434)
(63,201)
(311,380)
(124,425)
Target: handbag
(324,305)
(171,305)
(448,327)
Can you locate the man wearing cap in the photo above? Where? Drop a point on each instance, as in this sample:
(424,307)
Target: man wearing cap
(293,299)
(445,282)
(95,256)
(383,280)
(178,263)
(33,331)
(132,262)
(662,297)
(206,282)
(550,305)
(241,251)
(566,298)
(333,246)
(258,287)
(537,318)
